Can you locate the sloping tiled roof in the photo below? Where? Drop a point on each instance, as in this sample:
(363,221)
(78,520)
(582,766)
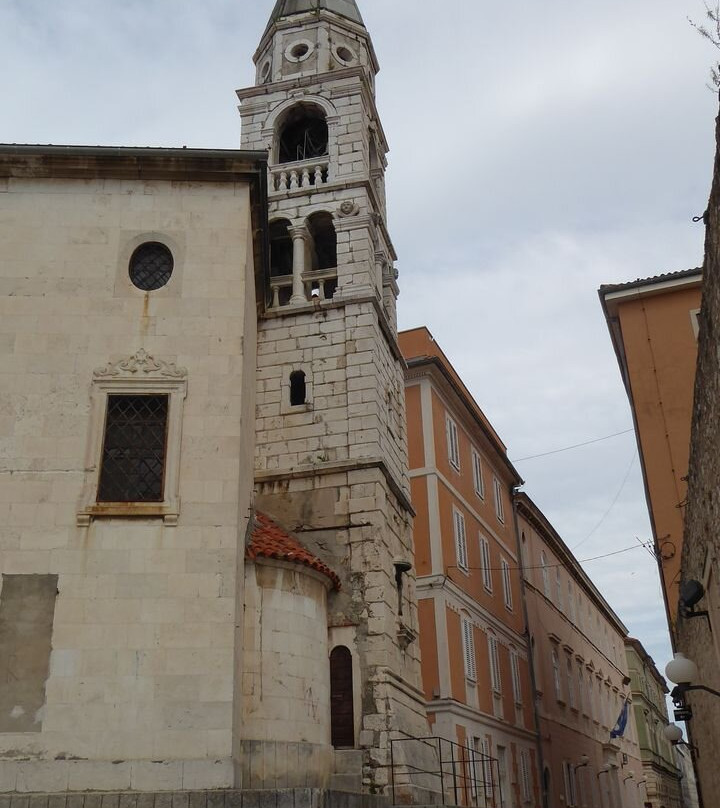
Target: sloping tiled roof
(607,288)
(269,540)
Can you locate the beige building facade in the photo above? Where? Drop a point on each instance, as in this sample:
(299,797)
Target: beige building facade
(581,675)
(119,604)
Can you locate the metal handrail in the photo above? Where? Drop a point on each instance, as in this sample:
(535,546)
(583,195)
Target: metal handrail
(467,787)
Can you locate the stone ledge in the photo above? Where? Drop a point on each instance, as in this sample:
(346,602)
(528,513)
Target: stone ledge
(222,798)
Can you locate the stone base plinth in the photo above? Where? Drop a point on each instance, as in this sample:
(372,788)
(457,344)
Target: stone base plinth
(225,798)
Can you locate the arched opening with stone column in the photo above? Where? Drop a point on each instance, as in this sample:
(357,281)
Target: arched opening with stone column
(321,273)
(281,262)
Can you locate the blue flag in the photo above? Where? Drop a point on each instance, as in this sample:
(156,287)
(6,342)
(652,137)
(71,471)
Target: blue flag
(619,729)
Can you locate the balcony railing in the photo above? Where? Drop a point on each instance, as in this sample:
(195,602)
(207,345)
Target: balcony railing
(298,175)
(318,284)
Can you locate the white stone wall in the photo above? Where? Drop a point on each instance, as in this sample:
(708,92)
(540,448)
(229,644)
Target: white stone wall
(357,406)
(141,685)
(286,677)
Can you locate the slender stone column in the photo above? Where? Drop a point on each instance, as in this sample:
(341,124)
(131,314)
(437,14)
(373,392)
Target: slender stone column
(299,234)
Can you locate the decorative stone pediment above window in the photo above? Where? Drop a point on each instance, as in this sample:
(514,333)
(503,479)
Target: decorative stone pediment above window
(138,399)
(140,365)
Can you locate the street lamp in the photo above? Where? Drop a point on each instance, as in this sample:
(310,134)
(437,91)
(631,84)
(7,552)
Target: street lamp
(683,672)
(630,776)
(584,761)
(674,734)
(604,769)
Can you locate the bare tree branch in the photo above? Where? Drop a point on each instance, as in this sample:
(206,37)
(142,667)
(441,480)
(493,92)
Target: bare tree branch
(711,32)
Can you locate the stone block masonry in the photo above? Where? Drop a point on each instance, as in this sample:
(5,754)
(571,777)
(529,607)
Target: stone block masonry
(223,798)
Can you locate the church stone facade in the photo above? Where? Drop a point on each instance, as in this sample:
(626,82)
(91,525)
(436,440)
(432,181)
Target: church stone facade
(207,568)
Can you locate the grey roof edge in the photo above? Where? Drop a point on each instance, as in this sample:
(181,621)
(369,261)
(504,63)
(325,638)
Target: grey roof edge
(609,288)
(128,151)
(343,8)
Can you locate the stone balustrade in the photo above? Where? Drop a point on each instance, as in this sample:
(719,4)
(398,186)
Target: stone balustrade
(298,175)
(318,284)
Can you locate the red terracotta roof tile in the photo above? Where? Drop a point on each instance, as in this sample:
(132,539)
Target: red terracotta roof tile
(269,540)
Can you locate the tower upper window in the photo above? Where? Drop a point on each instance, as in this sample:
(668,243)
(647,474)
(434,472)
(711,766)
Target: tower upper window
(281,248)
(298,388)
(303,134)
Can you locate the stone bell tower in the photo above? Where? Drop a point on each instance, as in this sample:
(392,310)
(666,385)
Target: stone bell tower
(331,450)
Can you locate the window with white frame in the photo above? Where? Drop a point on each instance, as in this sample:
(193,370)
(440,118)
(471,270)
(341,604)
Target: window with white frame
(571,683)
(486,563)
(499,506)
(507,584)
(478,482)
(525,775)
(571,602)
(580,613)
(558,582)
(453,443)
(581,687)
(556,674)
(468,640)
(570,790)
(516,681)
(460,539)
(545,573)
(495,679)
(487,772)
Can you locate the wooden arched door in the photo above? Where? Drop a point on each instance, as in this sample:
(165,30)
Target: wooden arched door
(342,720)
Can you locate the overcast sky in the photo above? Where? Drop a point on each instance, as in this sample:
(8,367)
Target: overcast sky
(538,149)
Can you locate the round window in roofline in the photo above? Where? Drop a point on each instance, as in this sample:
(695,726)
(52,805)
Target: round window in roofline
(299,50)
(345,55)
(151,266)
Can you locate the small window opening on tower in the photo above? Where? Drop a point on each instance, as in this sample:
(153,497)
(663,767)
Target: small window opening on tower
(303,134)
(324,241)
(298,388)
(323,253)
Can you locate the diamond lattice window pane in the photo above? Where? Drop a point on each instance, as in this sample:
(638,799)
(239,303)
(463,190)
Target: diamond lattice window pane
(151,266)
(133,459)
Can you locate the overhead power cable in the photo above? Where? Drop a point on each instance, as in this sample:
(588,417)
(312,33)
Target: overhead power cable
(642,545)
(574,446)
(612,504)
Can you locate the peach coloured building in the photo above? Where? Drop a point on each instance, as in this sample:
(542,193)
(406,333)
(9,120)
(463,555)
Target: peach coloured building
(475,660)
(654,325)
(581,675)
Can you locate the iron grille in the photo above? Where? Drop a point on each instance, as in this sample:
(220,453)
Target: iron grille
(133,458)
(151,266)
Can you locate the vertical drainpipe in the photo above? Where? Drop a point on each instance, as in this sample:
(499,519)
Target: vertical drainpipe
(531,660)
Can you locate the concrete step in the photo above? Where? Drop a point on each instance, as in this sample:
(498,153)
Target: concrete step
(348,761)
(351,783)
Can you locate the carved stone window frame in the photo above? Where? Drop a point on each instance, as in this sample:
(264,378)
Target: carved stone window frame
(139,374)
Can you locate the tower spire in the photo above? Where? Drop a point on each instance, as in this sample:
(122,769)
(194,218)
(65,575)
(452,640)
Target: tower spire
(344,8)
